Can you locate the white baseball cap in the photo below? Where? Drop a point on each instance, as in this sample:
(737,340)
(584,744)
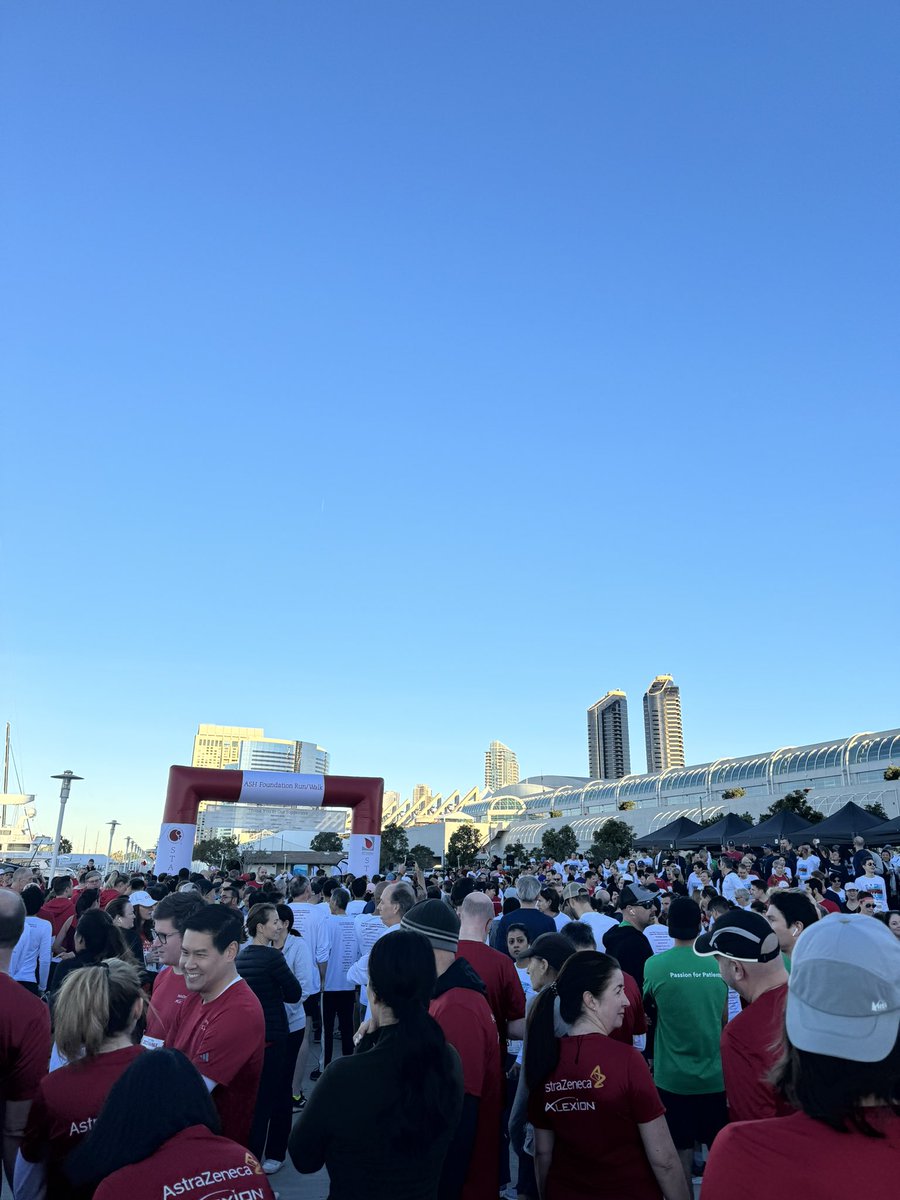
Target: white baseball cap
(844,989)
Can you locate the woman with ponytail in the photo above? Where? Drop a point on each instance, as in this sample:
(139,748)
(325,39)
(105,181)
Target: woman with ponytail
(96,1010)
(599,1125)
(411,1079)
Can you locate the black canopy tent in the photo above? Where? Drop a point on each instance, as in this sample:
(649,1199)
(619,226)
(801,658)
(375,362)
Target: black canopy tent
(782,825)
(842,826)
(877,835)
(672,834)
(730,828)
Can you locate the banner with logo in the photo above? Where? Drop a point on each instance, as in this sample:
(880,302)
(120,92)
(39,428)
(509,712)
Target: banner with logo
(175,848)
(365,851)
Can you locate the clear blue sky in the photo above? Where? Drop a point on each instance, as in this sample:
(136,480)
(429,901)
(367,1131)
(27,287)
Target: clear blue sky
(404,376)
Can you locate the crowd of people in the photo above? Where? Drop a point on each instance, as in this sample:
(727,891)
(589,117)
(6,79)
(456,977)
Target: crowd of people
(623,1029)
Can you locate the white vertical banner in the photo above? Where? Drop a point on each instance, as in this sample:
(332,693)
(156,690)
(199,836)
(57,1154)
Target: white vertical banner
(175,848)
(365,851)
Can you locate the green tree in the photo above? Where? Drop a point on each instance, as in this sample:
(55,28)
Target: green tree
(734,793)
(214,851)
(65,846)
(394,846)
(892,772)
(876,808)
(794,802)
(612,838)
(515,851)
(422,855)
(559,844)
(463,847)
(327,843)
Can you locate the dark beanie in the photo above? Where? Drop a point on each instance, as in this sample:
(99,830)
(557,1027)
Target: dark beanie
(684,919)
(437,921)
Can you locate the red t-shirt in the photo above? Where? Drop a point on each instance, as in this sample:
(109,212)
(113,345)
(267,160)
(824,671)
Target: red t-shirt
(788,1149)
(107,896)
(497,972)
(225,1040)
(594,1101)
(170,992)
(193,1163)
(634,1021)
(751,1045)
(469,1027)
(24,1041)
(67,1104)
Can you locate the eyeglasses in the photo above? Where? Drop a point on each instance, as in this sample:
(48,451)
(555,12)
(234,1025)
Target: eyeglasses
(866,904)
(162,938)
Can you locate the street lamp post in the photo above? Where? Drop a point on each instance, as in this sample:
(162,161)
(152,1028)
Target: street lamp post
(112,829)
(67,778)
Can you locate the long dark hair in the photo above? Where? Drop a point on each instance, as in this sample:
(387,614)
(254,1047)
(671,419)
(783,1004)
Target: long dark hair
(162,1085)
(101,938)
(830,1089)
(402,975)
(586,971)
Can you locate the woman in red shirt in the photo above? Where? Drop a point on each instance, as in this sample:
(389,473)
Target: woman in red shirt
(599,1125)
(176,1138)
(841,1071)
(95,1013)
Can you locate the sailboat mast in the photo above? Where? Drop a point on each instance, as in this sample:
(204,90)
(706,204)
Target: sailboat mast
(6,763)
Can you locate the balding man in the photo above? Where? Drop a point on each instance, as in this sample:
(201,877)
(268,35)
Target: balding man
(24,1035)
(496,971)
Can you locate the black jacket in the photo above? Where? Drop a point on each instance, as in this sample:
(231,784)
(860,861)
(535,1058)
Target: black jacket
(274,984)
(629,946)
(362,1162)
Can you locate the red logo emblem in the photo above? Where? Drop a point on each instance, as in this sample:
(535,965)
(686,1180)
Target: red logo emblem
(369,843)
(175,835)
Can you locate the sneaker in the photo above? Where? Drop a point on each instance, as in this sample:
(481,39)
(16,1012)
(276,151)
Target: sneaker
(299,1103)
(316,1074)
(271,1165)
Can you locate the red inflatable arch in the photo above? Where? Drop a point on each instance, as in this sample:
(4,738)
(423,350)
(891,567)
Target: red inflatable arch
(189,785)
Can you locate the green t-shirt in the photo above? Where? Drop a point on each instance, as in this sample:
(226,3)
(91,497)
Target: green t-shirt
(690,997)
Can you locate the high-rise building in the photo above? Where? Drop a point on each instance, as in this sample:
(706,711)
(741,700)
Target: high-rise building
(245,748)
(609,753)
(219,746)
(662,725)
(248,749)
(501,767)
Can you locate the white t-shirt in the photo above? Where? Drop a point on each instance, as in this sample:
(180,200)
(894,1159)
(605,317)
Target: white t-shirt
(355,907)
(806,866)
(876,886)
(600,924)
(309,921)
(561,919)
(343,951)
(659,938)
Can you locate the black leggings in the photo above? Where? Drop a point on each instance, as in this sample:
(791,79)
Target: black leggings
(340,1005)
(274,1110)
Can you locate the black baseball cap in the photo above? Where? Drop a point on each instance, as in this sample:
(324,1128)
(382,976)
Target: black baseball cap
(741,935)
(550,946)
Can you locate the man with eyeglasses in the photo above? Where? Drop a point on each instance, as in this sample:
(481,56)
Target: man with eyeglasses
(169,988)
(626,941)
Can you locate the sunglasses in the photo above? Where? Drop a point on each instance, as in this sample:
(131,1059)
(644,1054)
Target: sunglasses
(867,904)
